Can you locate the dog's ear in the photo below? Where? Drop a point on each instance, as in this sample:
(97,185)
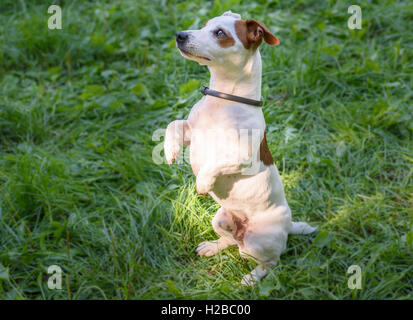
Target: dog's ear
(251,33)
(257,31)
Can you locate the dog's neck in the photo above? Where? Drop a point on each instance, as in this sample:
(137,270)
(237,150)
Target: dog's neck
(244,82)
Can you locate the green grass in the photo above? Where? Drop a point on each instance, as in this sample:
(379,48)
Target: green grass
(78,187)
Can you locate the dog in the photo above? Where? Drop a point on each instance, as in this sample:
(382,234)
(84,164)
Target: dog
(220,131)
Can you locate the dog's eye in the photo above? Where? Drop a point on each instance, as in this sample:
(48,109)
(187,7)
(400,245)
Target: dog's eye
(219,33)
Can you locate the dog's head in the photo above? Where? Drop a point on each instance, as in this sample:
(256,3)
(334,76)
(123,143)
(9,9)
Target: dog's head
(224,40)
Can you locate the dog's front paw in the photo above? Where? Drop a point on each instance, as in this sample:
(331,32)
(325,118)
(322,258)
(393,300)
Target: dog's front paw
(172,151)
(204,185)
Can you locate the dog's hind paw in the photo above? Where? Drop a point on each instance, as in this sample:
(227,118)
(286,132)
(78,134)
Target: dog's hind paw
(249,280)
(207,248)
(252,278)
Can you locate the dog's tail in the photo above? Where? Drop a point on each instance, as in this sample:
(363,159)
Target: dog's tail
(301,228)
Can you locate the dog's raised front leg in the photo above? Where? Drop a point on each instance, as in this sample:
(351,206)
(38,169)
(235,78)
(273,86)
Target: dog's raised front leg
(209,172)
(238,157)
(177,134)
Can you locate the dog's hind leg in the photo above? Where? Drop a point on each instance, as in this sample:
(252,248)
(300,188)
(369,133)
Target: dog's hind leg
(264,243)
(223,225)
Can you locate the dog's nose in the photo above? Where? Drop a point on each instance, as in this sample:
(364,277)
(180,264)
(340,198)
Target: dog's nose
(181,37)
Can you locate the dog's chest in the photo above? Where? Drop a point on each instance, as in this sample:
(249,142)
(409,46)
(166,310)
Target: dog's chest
(216,130)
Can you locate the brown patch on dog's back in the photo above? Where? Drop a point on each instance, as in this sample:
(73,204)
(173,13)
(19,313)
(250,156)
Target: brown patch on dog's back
(265,154)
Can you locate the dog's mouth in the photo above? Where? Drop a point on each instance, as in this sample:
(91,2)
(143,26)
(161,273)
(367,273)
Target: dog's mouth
(192,55)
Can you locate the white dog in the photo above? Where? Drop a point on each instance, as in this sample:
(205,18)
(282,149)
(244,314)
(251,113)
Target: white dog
(228,150)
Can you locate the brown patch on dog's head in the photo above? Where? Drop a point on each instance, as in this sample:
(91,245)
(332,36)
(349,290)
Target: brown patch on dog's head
(251,33)
(206,23)
(265,153)
(226,40)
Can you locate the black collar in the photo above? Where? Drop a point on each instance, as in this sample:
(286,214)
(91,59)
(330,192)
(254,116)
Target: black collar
(207,91)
